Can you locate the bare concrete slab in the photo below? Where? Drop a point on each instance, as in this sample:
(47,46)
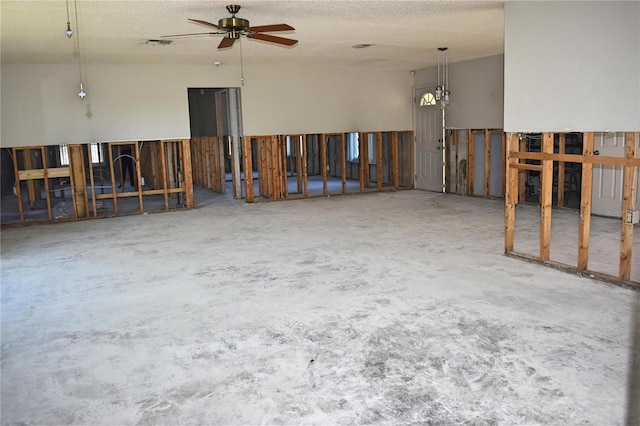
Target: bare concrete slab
(380,308)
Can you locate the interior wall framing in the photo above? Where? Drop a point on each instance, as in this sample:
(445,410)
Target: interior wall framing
(545,161)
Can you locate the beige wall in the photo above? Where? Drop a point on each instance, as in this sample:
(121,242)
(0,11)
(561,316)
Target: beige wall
(40,105)
(476,92)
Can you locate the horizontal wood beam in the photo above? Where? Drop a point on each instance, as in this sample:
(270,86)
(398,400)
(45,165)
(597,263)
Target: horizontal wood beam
(523,166)
(41,173)
(576,158)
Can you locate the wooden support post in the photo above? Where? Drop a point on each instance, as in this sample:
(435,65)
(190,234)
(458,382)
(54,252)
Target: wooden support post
(32,191)
(457,157)
(92,180)
(114,195)
(511,192)
(18,183)
(628,204)
(323,162)
(523,173)
(248,169)
(546,193)
(187,173)
(43,156)
(447,161)
(412,155)
(379,163)
(138,172)
(283,166)
(487,161)
(562,141)
(395,161)
(585,203)
(298,152)
(343,163)
(305,160)
(77,178)
(222,173)
(504,163)
(236,150)
(470,162)
(361,158)
(165,189)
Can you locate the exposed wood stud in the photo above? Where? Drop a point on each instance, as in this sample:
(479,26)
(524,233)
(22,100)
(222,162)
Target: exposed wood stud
(305,178)
(187,173)
(470,162)
(395,161)
(511,192)
(628,197)
(504,163)
(456,141)
(546,192)
(43,156)
(163,160)
(585,204)
(379,161)
(343,163)
(522,175)
(562,138)
(323,162)
(113,180)
(248,169)
(361,159)
(487,161)
(139,176)
(77,178)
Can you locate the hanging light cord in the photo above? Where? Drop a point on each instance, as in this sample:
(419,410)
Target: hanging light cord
(75,3)
(241,63)
(68,20)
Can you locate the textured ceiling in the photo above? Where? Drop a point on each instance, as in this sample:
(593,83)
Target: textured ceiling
(404,34)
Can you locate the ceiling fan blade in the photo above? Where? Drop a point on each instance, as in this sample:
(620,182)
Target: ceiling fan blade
(273,39)
(269,28)
(208,24)
(188,35)
(226,42)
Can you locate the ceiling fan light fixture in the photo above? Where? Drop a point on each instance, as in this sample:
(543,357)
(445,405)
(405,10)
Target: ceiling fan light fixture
(69,31)
(82,94)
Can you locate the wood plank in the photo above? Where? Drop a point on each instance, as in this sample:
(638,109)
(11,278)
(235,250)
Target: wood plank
(343,162)
(546,194)
(305,160)
(522,176)
(585,204)
(456,141)
(487,161)
(248,169)
(323,162)
(92,182)
(562,138)
(17,185)
(628,203)
(511,193)
(525,166)
(361,162)
(57,172)
(504,163)
(447,161)
(379,161)
(576,158)
(395,160)
(187,173)
(138,172)
(32,191)
(113,179)
(470,162)
(222,176)
(165,187)
(43,156)
(76,164)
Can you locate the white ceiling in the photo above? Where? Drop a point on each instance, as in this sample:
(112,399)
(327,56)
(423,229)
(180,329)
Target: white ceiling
(404,34)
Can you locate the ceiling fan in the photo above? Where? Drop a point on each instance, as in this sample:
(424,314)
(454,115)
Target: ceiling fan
(232,28)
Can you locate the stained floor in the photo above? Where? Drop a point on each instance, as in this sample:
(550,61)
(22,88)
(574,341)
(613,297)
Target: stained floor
(386,308)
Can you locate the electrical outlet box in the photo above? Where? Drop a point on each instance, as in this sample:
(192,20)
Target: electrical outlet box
(632,217)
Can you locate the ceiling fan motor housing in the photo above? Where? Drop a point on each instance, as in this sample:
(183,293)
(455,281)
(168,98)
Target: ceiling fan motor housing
(234,24)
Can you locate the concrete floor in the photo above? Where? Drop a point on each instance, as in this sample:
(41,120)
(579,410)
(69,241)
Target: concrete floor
(378,308)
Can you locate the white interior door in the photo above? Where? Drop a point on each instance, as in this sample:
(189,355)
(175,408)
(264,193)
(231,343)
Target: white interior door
(608,180)
(429,154)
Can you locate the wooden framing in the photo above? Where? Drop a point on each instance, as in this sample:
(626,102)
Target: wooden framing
(85,193)
(470,162)
(588,159)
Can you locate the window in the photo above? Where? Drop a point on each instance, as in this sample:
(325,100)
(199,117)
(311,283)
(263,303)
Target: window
(353,150)
(64,154)
(427,99)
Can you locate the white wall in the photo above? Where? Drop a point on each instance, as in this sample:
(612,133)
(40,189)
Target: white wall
(572,66)
(40,105)
(476,92)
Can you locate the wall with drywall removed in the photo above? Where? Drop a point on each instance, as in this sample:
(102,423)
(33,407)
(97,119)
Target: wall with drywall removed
(40,105)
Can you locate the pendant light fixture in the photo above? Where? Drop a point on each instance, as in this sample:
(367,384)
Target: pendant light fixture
(69,31)
(82,94)
(442,90)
